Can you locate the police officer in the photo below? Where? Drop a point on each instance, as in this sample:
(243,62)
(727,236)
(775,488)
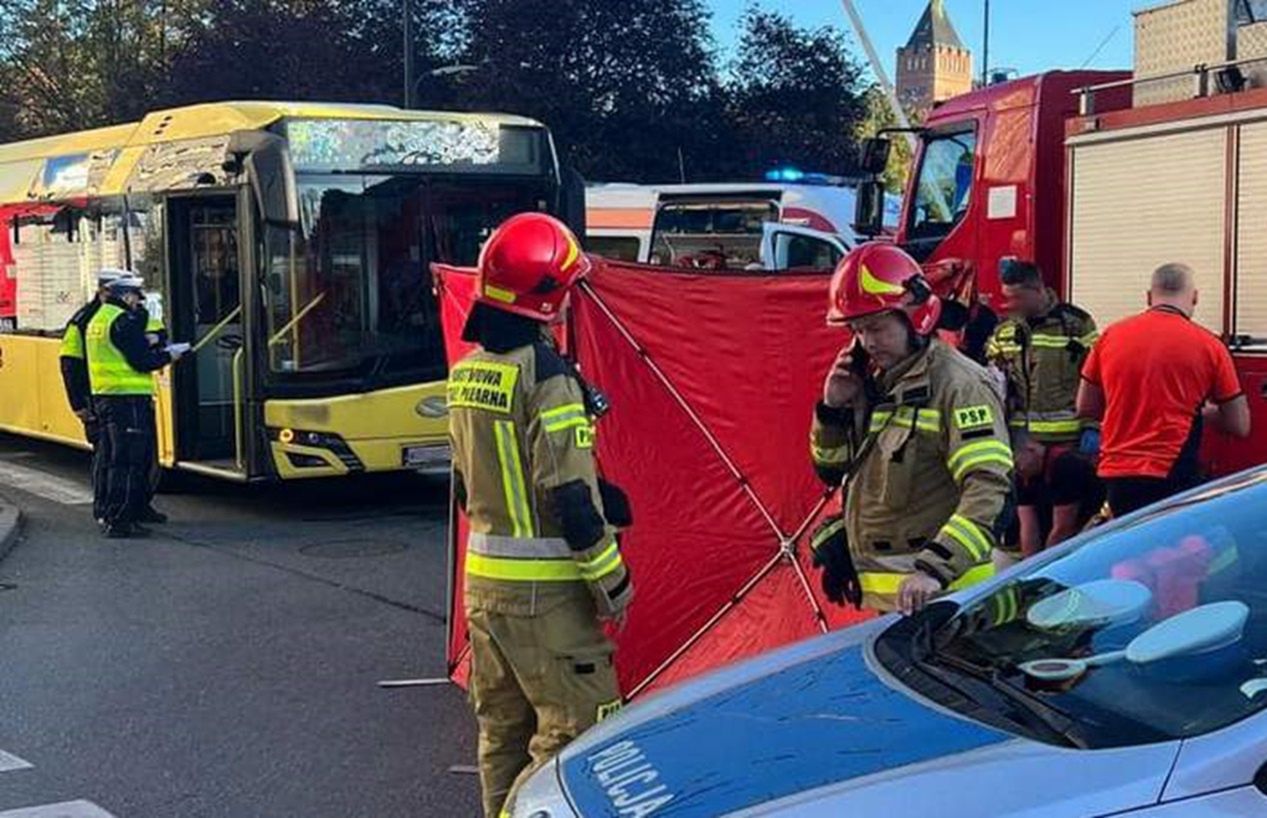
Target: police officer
(1040,350)
(916,431)
(74,367)
(120,365)
(543,566)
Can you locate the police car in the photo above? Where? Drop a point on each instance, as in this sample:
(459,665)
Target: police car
(1124,673)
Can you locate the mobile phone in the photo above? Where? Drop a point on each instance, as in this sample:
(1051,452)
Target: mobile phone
(859,360)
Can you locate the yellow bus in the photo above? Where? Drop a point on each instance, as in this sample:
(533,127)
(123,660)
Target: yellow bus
(291,243)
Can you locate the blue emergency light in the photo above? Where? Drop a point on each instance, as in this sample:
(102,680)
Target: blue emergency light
(785,175)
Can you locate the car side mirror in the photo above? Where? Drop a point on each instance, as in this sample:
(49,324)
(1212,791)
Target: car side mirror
(875,155)
(868,215)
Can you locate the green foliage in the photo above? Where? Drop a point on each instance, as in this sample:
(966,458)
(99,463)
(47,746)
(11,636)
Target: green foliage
(632,89)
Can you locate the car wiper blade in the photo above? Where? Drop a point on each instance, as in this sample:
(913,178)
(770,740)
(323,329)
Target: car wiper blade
(1055,721)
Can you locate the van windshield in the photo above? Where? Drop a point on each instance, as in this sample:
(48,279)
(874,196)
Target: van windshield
(713,234)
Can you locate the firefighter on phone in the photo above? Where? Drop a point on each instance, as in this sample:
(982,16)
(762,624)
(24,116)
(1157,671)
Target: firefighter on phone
(543,564)
(916,431)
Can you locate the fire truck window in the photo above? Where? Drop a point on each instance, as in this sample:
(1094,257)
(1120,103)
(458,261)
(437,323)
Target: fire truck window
(945,184)
(1251,11)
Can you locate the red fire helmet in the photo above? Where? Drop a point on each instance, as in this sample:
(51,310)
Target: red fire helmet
(876,277)
(529,265)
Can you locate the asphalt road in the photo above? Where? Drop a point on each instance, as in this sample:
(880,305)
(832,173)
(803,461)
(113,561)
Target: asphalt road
(228,666)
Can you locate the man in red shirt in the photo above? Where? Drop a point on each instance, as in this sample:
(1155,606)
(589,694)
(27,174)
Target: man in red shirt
(1154,379)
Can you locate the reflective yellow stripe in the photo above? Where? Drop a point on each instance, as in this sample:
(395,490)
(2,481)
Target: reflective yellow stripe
(1090,338)
(1053,427)
(603,564)
(969,535)
(973,575)
(839,454)
(876,582)
(926,420)
(512,570)
(571,423)
(976,454)
(567,410)
(513,478)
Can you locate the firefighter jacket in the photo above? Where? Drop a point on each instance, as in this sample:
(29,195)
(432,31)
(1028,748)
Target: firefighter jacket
(1041,359)
(525,474)
(928,469)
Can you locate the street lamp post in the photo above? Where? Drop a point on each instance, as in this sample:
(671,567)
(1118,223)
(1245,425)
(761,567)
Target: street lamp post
(407,23)
(985,49)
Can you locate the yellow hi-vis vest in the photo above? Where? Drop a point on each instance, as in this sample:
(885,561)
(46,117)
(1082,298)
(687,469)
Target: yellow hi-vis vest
(109,372)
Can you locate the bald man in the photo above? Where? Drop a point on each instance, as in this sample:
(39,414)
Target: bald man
(1154,380)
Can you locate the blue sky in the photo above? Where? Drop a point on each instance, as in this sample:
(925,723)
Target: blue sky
(1028,35)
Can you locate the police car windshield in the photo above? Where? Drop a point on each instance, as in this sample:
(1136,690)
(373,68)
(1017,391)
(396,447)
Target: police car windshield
(1079,633)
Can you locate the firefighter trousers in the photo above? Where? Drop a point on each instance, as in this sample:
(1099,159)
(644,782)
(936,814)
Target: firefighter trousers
(127,427)
(537,682)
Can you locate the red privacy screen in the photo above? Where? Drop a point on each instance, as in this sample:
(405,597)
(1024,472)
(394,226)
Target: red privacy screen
(712,380)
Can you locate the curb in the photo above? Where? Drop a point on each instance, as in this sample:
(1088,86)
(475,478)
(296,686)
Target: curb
(10,527)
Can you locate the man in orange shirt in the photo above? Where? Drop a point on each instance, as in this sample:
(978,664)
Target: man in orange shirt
(1154,380)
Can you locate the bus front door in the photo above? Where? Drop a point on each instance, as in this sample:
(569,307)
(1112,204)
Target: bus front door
(206,310)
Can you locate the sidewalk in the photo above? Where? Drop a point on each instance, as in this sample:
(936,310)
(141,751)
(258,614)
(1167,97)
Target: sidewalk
(10,526)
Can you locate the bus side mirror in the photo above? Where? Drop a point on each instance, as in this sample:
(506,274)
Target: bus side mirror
(868,214)
(572,202)
(270,174)
(875,155)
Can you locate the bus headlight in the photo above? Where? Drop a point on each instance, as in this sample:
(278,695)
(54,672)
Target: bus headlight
(286,435)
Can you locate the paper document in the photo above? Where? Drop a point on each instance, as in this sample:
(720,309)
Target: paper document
(177,349)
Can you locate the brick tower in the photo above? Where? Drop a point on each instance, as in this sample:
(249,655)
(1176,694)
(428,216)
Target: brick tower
(934,65)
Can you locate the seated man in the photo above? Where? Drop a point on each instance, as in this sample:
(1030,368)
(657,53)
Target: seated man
(1057,493)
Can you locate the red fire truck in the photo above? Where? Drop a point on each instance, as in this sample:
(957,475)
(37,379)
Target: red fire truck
(1101,176)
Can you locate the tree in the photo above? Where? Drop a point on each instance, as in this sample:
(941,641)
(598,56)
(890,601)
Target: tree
(76,64)
(621,84)
(880,116)
(278,49)
(796,96)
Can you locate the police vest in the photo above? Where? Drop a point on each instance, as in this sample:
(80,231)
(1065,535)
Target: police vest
(73,338)
(109,372)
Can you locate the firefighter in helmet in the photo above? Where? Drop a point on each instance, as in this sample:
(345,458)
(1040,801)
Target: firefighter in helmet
(917,433)
(543,565)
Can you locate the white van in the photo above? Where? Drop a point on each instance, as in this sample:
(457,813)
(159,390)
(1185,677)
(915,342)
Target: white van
(764,225)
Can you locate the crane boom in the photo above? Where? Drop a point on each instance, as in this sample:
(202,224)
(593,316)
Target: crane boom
(877,68)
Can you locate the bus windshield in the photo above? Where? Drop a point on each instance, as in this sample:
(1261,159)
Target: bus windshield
(350,292)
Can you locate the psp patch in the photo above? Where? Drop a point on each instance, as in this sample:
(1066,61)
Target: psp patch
(973,417)
(609,709)
(585,437)
(483,385)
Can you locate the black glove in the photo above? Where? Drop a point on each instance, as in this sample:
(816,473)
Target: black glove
(616,508)
(831,553)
